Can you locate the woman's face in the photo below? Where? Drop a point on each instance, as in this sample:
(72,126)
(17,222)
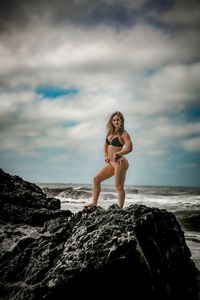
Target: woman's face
(116,121)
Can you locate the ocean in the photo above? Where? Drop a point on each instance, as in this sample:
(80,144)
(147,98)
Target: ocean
(184,202)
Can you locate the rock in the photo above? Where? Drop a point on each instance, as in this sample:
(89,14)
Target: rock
(138,252)
(15,190)
(24,202)
(114,252)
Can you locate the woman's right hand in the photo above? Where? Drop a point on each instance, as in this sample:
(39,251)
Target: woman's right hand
(107,160)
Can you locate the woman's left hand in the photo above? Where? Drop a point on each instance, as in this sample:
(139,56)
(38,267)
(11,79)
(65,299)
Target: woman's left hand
(117,157)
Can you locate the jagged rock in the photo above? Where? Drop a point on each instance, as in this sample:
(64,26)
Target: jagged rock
(111,251)
(24,202)
(138,252)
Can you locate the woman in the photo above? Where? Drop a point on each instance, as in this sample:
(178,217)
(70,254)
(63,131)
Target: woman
(118,143)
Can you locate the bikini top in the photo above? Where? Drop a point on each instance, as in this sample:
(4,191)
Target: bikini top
(114,142)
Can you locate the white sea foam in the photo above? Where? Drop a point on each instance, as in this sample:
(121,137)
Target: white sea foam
(193,242)
(172,203)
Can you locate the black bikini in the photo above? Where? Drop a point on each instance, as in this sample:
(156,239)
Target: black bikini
(114,142)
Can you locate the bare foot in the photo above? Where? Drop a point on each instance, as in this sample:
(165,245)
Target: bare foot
(88,205)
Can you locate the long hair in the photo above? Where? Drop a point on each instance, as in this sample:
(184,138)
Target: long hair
(110,127)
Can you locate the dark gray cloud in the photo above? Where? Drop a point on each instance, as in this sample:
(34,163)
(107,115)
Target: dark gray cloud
(18,13)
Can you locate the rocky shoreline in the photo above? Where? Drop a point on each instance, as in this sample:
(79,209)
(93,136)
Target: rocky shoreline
(47,253)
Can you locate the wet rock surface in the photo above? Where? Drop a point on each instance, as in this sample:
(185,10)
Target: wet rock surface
(138,251)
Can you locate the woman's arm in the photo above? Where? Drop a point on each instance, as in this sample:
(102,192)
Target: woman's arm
(105,149)
(128,145)
(106,153)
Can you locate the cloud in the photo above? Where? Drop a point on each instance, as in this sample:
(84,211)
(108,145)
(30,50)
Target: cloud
(182,13)
(118,61)
(192,144)
(171,88)
(160,136)
(168,89)
(19,14)
(106,65)
(93,50)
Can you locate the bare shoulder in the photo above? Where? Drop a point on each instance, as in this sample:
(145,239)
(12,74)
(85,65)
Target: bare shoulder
(126,135)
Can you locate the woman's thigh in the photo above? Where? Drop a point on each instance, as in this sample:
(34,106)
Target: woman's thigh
(105,173)
(120,173)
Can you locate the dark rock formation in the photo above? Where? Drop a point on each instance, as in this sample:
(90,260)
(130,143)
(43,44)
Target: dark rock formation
(24,202)
(137,252)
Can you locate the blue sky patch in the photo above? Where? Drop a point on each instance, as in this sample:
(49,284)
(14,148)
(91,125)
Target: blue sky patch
(70,123)
(55,92)
(192,113)
(148,72)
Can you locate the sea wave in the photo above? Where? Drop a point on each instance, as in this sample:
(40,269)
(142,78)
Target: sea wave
(193,242)
(189,219)
(183,202)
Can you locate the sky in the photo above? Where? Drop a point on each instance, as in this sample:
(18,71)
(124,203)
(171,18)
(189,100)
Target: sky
(67,65)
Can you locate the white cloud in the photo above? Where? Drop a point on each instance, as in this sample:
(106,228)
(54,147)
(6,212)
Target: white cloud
(192,144)
(64,55)
(161,135)
(177,83)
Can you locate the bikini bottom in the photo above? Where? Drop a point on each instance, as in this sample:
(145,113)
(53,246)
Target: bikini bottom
(122,160)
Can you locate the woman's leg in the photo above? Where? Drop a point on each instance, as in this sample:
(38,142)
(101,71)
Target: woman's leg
(120,176)
(103,174)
